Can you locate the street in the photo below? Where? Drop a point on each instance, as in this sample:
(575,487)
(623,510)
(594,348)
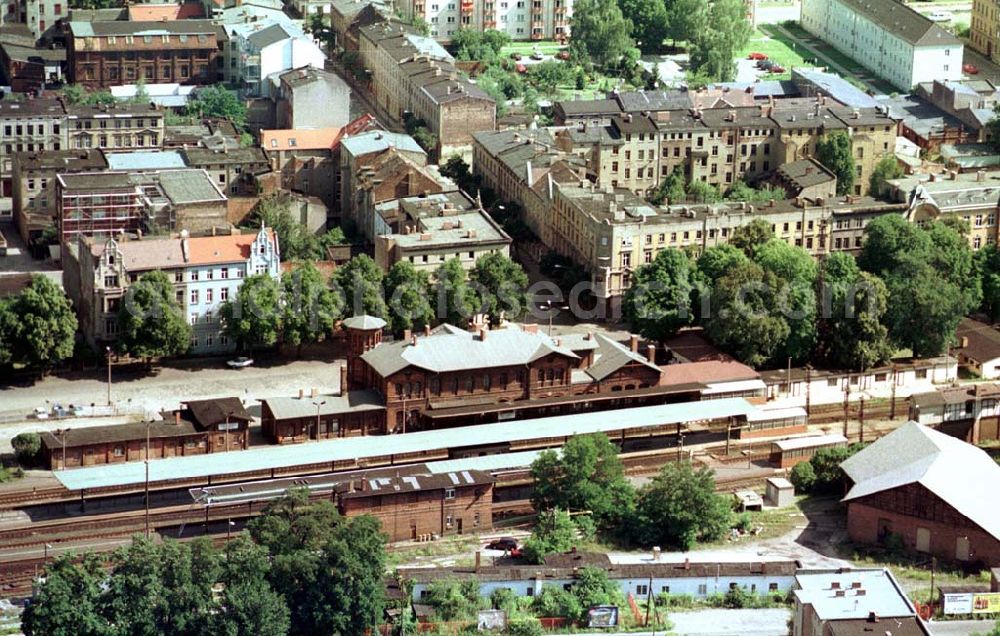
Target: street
(960,628)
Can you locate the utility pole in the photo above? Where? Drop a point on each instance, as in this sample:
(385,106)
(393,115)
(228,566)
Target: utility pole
(147,479)
(861,421)
(107,351)
(318,406)
(892,400)
(808,388)
(847,402)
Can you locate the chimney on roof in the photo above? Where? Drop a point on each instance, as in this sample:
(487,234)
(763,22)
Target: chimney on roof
(343,379)
(177,417)
(482,334)
(406,334)
(302,393)
(313,393)
(980,175)
(633,343)
(952,174)
(651,353)
(687,563)
(427,330)
(656,553)
(872,617)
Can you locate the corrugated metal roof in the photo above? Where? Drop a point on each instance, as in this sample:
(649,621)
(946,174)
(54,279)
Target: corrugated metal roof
(265,458)
(961,475)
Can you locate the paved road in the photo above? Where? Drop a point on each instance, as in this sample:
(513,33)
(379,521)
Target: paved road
(960,628)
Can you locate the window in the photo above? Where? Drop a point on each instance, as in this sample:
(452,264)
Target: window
(449,493)
(208,295)
(194,276)
(119,451)
(702,589)
(224,294)
(194,296)
(642,589)
(448,520)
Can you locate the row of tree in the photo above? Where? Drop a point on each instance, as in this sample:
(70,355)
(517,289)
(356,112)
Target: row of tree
(302,569)
(676,509)
(605,30)
(766,301)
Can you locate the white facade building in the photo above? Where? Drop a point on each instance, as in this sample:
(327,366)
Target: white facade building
(893,41)
(273,50)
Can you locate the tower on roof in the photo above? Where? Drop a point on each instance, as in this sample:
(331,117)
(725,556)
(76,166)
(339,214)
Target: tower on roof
(364,332)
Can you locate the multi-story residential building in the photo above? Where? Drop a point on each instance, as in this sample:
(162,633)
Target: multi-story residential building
(103,204)
(970,102)
(894,41)
(103,54)
(387,176)
(984,29)
(972,197)
(232,170)
(271,50)
(31,126)
(304,159)
(34,183)
(207,271)
(310,97)
(347,16)
(243,20)
(384,47)
(360,150)
(114,126)
(42,15)
(429,230)
(520,19)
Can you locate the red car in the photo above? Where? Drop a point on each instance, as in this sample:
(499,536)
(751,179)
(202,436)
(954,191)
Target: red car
(970,69)
(521,68)
(756,56)
(776,69)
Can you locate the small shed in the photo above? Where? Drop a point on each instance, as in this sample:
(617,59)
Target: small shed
(748,500)
(780,492)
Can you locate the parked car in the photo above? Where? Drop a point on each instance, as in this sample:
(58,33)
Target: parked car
(537,56)
(941,16)
(40,413)
(765,65)
(507,544)
(521,68)
(756,56)
(241,362)
(777,69)
(515,56)
(970,69)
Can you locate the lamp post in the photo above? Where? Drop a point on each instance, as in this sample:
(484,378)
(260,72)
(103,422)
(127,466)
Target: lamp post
(318,405)
(146,489)
(107,352)
(45,557)
(62,437)
(550,307)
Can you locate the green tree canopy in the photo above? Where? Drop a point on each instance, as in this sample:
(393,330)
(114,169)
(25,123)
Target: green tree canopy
(360,281)
(650,24)
(309,308)
(749,237)
(151,324)
(296,240)
(554,533)
(254,318)
(658,302)
(601,34)
(680,507)
(37,326)
(886,169)
(714,49)
(587,475)
(69,601)
(482,46)
(988,265)
(501,285)
(672,189)
(795,272)
(743,318)
(685,18)
(218,102)
(852,334)
(833,150)
(455,302)
(410,304)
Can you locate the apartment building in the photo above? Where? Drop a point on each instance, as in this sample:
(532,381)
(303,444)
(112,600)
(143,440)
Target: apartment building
(34,181)
(34,125)
(207,271)
(41,15)
(892,40)
(106,204)
(984,29)
(387,176)
(310,97)
(429,230)
(117,126)
(272,50)
(361,150)
(347,16)
(520,19)
(103,54)
(232,170)
(241,21)
(973,197)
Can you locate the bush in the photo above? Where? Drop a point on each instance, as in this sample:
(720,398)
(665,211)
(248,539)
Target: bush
(525,627)
(27,447)
(683,601)
(557,603)
(894,544)
(803,477)
(743,522)
(504,599)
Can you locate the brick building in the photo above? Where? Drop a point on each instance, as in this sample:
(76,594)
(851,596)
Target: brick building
(285,420)
(931,490)
(360,150)
(103,54)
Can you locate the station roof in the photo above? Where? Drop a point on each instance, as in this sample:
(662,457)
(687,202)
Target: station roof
(266,458)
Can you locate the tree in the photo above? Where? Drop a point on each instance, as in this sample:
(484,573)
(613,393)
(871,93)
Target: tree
(830,477)
(658,302)
(601,33)
(803,477)
(554,533)
(455,300)
(671,190)
(717,260)
(482,46)
(751,236)
(547,76)
(685,18)
(360,282)
(851,331)
(151,324)
(650,24)
(587,475)
(833,150)
(886,169)
(409,300)
(254,318)
(40,324)
(993,127)
(296,240)
(714,49)
(249,605)
(795,299)
(218,102)
(309,308)
(67,602)
(988,265)
(594,587)
(26,447)
(703,192)
(502,286)
(458,171)
(680,507)
(742,191)
(743,320)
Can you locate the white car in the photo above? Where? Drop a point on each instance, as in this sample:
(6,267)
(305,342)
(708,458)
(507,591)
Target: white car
(40,413)
(941,16)
(240,363)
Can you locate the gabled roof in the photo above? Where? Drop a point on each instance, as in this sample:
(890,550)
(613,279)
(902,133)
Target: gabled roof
(271,35)
(611,356)
(457,350)
(977,340)
(961,475)
(300,139)
(208,413)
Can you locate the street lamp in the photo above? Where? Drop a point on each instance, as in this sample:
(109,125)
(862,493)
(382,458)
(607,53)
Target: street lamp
(107,352)
(550,307)
(147,479)
(62,436)
(318,405)
(45,558)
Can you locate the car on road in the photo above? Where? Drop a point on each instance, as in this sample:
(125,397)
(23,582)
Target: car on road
(241,362)
(40,413)
(765,65)
(756,56)
(537,56)
(941,16)
(776,69)
(970,69)
(507,544)
(521,68)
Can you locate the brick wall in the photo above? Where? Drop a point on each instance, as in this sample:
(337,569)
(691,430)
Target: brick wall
(405,516)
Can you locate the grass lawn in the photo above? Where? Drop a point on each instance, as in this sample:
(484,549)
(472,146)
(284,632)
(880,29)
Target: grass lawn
(826,51)
(547,47)
(774,48)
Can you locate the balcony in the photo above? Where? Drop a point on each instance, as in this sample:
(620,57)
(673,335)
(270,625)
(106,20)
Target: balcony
(468,6)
